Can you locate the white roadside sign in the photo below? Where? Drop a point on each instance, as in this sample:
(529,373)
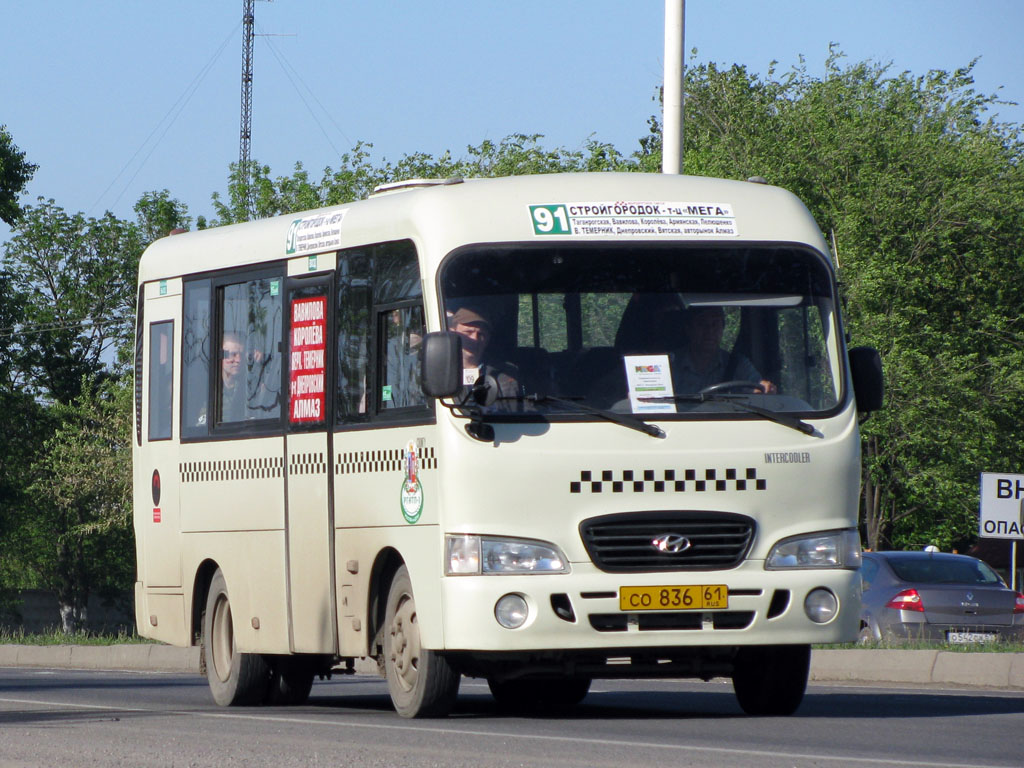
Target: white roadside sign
(1002,506)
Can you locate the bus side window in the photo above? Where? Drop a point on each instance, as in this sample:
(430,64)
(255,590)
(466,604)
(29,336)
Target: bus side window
(161,379)
(401,333)
(249,385)
(195,359)
(373,281)
(353,312)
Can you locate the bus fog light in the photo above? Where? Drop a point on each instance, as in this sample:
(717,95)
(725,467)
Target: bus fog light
(821,606)
(511,611)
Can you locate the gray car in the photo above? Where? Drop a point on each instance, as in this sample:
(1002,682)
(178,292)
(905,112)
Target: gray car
(937,596)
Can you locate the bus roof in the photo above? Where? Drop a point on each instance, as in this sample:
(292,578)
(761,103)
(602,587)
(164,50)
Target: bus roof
(616,207)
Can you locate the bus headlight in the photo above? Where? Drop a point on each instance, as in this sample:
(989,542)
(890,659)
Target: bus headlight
(829,549)
(472,555)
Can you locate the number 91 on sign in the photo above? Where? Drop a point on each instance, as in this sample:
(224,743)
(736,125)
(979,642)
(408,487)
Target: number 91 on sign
(674,598)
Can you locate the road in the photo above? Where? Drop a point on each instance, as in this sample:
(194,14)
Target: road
(84,718)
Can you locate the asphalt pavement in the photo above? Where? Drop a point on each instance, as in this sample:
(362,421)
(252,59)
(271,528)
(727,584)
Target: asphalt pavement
(868,665)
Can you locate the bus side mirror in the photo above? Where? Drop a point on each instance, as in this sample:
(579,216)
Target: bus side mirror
(868,383)
(441,364)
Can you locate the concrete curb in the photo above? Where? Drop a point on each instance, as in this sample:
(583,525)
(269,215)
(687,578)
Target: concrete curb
(989,670)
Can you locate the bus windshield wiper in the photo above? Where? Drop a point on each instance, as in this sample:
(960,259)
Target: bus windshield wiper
(622,419)
(711,397)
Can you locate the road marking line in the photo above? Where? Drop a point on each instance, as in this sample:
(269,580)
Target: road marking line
(843,760)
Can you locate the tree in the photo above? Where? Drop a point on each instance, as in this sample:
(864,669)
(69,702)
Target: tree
(924,195)
(357,176)
(15,174)
(77,535)
(75,279)
(67,305)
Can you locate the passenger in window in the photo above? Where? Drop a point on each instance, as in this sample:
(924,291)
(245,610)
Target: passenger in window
(232,373)
(472,325)
(702,363)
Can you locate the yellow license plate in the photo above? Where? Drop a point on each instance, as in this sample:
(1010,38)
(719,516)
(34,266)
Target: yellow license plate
(670,598)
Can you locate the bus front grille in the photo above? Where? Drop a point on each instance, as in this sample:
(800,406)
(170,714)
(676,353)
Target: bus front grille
(667,541)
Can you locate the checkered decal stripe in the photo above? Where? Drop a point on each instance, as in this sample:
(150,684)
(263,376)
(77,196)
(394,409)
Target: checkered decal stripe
(230,469)
(370,462)
(668,481)
(307,464)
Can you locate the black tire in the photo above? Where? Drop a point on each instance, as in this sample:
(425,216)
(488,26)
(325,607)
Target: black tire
(291,679)
(771,679)
(548,696)
(236,679)
(421,682)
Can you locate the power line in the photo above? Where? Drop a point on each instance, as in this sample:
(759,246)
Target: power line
(166,121)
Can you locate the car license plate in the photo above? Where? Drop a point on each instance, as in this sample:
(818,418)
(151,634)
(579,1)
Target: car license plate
(961,638)
(674,598)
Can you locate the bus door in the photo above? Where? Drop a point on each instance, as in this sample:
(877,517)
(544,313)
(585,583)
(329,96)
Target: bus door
(309,516)
(160,529)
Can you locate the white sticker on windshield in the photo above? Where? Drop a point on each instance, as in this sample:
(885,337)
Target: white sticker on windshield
(650,383)
(634,219)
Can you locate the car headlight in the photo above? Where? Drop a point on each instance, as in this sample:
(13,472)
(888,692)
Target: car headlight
(469,555)
(829,549)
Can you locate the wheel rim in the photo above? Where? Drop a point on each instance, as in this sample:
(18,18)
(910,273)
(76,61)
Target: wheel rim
(405,643)
(222,640)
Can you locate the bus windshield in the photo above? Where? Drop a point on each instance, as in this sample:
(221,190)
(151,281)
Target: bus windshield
(665,331)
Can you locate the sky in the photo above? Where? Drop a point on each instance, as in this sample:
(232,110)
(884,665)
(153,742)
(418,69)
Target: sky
(116,98)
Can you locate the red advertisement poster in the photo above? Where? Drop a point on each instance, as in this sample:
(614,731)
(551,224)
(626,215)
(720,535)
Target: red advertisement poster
(308,349)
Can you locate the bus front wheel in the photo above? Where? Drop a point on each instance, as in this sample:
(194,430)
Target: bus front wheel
(236,679)
(421,682)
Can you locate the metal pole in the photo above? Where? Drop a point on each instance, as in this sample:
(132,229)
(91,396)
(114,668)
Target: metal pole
(1013,566)
(672,96)
(245,127)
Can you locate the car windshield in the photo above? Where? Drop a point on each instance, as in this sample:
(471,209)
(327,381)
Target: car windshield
(932,570)
(666,331)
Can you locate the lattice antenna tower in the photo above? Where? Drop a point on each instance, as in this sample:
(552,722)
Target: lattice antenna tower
(245,128)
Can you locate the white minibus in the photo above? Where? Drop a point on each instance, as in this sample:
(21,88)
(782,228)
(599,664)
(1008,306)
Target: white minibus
(538,430)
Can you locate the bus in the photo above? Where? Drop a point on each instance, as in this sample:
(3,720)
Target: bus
(538,430)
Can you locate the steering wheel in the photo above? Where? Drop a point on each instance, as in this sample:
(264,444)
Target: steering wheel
(723,386)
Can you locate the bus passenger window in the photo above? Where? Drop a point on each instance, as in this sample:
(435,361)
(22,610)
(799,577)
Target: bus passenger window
(161,379)
(249,385)
(402,334)
(195,359)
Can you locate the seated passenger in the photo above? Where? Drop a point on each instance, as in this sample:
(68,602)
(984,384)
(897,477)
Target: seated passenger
(701,362)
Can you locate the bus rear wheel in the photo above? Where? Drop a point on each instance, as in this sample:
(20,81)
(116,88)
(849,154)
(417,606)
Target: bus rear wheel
(421,682)
(236,679)
(771,679)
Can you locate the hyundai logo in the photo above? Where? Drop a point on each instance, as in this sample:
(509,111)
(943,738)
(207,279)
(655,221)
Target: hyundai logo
(673,543)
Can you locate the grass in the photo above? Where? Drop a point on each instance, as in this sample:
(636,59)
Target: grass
(56,637)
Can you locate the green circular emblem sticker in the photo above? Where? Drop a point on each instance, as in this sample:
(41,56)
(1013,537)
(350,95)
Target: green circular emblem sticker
(412,501)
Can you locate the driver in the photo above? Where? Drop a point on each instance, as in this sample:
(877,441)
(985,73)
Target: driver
(476,332)
(702,362)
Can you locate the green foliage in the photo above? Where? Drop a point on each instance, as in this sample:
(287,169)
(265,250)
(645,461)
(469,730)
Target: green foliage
(75,282)
(925,198)
(67,306)
(15,173)
(922,192)
(357,176)
(76,535)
